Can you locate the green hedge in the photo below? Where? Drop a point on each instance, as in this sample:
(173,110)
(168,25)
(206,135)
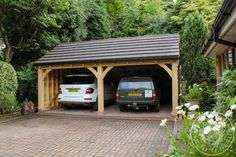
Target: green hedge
(8,79)
(8,88)
(8,103)
(27,80)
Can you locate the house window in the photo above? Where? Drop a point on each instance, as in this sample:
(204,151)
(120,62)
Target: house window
(231,57)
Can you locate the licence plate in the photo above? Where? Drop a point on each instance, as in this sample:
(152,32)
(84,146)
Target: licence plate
(135,94)
(73,90)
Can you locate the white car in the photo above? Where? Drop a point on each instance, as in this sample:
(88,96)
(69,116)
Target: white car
(82,90)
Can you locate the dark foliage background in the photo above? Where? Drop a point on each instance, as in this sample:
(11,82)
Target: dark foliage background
(30,28)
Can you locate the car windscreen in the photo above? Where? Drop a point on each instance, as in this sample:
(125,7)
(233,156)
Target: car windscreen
(135,84)
(79,80)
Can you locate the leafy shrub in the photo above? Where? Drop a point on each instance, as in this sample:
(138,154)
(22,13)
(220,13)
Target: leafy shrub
(227,90)
(8,78)
(228,83)
(196,68)
(204,92)
(208,100)
(194,92)
(224,102)
(1,55)
(27,79)
(8,103)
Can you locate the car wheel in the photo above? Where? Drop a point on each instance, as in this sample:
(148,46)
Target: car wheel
(122,107)
(156,108)
(95,106)
(64,106)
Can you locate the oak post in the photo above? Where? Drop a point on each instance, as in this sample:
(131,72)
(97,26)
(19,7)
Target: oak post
(40,90)
(100,89)
(175,95)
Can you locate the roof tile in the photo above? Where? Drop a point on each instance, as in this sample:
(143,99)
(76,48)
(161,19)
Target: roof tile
(128,48)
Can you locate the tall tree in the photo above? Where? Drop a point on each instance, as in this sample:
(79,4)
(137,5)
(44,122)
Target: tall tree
(98,21)
(196,68)
(137,17)
(31,28)
(174,19)
(180,10)
(20,23)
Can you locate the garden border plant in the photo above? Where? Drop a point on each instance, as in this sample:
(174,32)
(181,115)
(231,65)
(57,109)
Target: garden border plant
(202,95)
(213,129)
(202,131)
(8,87)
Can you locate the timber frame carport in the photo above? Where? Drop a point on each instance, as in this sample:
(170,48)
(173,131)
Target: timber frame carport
(100,57)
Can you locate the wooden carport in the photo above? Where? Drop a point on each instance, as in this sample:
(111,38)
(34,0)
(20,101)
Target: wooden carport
(100,57)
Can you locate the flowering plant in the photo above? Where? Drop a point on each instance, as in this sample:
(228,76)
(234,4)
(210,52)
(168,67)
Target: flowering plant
(226,93)
(206,133)
(194,92)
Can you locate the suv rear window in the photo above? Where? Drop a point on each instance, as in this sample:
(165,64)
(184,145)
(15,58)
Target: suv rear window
(136,83)
(79,80)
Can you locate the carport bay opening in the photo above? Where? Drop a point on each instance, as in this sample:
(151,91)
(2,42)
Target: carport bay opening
(159,75)
(50,78)
(103,57)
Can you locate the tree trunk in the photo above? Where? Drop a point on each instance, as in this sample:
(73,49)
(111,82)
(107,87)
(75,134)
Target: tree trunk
(7,54)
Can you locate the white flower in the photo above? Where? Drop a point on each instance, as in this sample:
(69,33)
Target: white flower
(206,113)
(211,121)
(232,129)
(233,107)
(200,89)
(216,128)
(179,107)
(222,124)
(218,118)
(187,105)
(202,118)
(193,108)
(207,130)
(181,112)
(212,115)
(228,113)
(163,122)
(191,116)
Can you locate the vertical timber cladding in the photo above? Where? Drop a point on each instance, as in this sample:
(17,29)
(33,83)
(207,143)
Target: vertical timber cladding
(48,88)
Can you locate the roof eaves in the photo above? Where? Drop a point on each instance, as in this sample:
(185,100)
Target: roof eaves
(104,60)
(223,14)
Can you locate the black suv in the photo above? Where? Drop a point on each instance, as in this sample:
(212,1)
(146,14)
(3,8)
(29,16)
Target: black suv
(136,92)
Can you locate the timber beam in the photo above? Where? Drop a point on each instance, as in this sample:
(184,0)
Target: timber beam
(107,64)
(45,73)
(100,73)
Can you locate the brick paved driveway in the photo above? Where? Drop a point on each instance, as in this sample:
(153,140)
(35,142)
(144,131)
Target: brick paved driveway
(75,136)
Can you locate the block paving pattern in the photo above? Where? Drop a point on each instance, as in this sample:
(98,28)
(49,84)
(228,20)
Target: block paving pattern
(63,136)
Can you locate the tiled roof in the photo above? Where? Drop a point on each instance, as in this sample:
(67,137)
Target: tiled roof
(115,49)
